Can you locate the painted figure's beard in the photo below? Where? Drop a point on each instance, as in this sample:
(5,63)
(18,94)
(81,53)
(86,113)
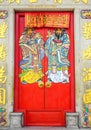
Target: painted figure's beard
(57,35)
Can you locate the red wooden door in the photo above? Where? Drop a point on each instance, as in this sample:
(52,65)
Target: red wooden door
(46,105)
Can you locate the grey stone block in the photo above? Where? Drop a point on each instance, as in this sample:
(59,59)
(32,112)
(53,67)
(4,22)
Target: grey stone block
(72,120)
(16,120)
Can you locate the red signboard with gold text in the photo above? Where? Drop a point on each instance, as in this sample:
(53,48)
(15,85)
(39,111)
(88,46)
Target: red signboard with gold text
(47,20)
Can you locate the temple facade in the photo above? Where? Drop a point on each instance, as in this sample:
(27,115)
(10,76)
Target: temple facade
(45,63)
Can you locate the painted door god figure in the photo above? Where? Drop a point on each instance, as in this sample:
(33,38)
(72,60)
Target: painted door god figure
(57,48)
(32,47)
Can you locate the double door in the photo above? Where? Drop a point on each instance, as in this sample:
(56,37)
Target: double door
(44,72)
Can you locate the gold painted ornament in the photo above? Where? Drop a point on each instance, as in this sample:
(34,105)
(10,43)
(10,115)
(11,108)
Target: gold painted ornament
(86,14)
(3,14)
(30,76)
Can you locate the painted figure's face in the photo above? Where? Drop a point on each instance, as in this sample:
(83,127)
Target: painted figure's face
(58,32)
(30,31)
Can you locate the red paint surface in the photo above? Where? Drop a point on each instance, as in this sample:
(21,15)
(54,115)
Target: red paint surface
(43,106)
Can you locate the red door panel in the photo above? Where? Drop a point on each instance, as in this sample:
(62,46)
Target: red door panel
(28,96)
(46,105)
(58,97)
(61,96)
(45,118)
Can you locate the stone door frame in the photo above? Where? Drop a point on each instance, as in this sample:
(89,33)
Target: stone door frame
(12,10)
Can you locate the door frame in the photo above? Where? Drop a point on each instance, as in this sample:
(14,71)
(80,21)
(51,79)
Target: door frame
(15,84)
(14,9)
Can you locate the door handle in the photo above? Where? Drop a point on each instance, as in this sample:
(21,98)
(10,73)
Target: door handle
(48,84)
(41,84)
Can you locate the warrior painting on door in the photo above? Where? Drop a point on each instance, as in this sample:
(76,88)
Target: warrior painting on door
(57,48)
(32,46)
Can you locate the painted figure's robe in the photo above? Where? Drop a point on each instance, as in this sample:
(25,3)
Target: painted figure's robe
(32,48)
(57,52)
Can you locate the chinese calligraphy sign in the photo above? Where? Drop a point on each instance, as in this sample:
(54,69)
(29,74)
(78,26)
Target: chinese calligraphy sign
(87,30)
(87,97)
(86,74)
(3,28)
(2,96)
(46,20)
(87,53)
(3,77)
(3,52)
